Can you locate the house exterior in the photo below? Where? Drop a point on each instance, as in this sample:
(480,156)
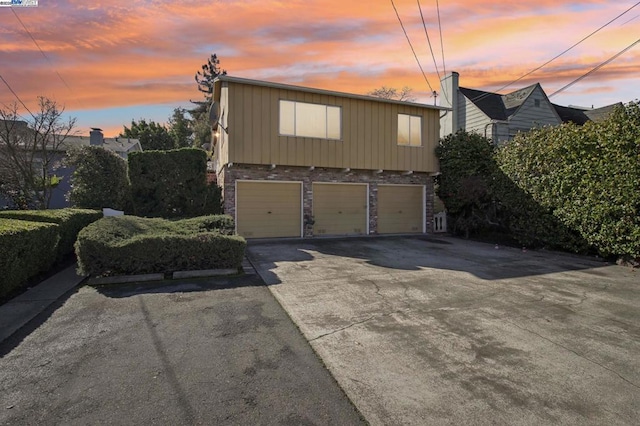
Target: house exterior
(301,162)
(121,146)
(501,117)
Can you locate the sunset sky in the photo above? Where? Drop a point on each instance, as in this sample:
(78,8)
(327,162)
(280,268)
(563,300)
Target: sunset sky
(112,61)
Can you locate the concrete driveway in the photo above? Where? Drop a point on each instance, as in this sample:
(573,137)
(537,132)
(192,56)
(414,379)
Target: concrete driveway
(446,331)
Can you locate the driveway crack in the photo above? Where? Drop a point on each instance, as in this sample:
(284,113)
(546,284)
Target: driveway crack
(570,350)
(344,328)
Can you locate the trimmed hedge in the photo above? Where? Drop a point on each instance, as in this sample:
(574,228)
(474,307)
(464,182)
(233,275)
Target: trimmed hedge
(26,249)
(587,176)
(99,180)
(70,221)
(134,245)
(172,184)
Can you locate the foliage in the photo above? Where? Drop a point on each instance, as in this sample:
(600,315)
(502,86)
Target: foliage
(70,221)
(589,176)
(171,183)
(180,128)
(480,198)
(223,224)
(152,136)
(26,249)
(134,245)
(206,76)
(205,79)
(100,179)
(405,94)
(30,153)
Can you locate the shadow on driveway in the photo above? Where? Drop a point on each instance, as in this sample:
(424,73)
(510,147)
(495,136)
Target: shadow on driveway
(482,260)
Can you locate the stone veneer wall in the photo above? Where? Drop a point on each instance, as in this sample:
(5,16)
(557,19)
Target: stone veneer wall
(229,175)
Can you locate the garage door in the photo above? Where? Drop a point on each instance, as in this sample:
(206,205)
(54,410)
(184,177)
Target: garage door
(400,209)
(340,209)
(269,209)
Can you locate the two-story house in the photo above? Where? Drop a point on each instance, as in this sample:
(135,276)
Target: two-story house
(501,117)
(302,162)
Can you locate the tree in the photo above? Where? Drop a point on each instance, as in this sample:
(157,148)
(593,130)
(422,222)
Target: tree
(152,136)
(180,128)
(100,179)
(384,92)
(205,79)
(30,152)
(207,75)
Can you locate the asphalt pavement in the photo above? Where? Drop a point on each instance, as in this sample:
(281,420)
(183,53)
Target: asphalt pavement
(218,351)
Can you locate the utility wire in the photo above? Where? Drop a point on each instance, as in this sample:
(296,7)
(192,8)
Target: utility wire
(562,53)
(40,49)
(15,94)
(424,25)
(410,45)
(444,67)
(595,68)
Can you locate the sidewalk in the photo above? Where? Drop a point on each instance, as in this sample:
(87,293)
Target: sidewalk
(17,312)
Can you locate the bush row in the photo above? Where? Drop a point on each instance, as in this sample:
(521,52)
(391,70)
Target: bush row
(70,221)
(26,249)
(135,245)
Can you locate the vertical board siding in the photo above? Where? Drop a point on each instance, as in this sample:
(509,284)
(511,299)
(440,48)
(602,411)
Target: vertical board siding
(368,139)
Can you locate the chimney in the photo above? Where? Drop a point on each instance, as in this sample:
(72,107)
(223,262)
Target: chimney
(449,86)
(96,137)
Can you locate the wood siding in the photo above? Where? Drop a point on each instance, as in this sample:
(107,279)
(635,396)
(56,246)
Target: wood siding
(369,132)
(530,116)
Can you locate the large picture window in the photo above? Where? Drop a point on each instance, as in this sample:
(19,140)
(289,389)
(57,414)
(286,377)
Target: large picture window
(409,130)
(310,120)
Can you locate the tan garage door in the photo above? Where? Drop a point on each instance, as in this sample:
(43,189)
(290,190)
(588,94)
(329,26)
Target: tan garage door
(340,209)
(269,209)
(400,209)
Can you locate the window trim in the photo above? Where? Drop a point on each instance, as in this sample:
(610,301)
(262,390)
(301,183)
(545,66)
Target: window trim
(409,144)
(326,109)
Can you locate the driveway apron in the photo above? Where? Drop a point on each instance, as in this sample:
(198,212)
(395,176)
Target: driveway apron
(445,331)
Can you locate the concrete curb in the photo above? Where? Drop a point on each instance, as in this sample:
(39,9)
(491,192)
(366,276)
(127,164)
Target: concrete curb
(17,312)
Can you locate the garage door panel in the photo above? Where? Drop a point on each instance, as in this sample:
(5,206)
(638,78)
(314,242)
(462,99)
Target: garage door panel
(268,209)
(340,209)
(400,209)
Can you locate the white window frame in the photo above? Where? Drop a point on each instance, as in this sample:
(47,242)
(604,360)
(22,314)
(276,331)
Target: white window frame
(296,132)
(411,141)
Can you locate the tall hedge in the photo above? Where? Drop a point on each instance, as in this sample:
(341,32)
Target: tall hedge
(588,176)
(26,249)
(99,180)
(480,198)
(172,184)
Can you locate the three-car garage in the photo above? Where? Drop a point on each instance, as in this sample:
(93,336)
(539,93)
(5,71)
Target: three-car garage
(272,209)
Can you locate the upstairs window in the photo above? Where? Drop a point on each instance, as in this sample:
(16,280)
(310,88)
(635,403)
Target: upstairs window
(310,120)
(409,130)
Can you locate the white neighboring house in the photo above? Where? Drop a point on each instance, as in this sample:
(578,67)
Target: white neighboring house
(501,117)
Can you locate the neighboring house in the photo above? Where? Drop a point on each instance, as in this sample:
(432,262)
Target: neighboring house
(300,162)
(121,146)
(501,117)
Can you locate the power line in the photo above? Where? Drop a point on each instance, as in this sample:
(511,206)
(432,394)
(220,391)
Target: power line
(40,49)
(595,68)
(444,68)
(15,94)
(410,45)
(562,53)
(424,25)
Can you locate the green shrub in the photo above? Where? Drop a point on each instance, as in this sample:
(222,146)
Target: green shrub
(587,176)
(70,221)
(134,245)
(172,184)
(26,249)
(223,224)
(99,180)
(481,199)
